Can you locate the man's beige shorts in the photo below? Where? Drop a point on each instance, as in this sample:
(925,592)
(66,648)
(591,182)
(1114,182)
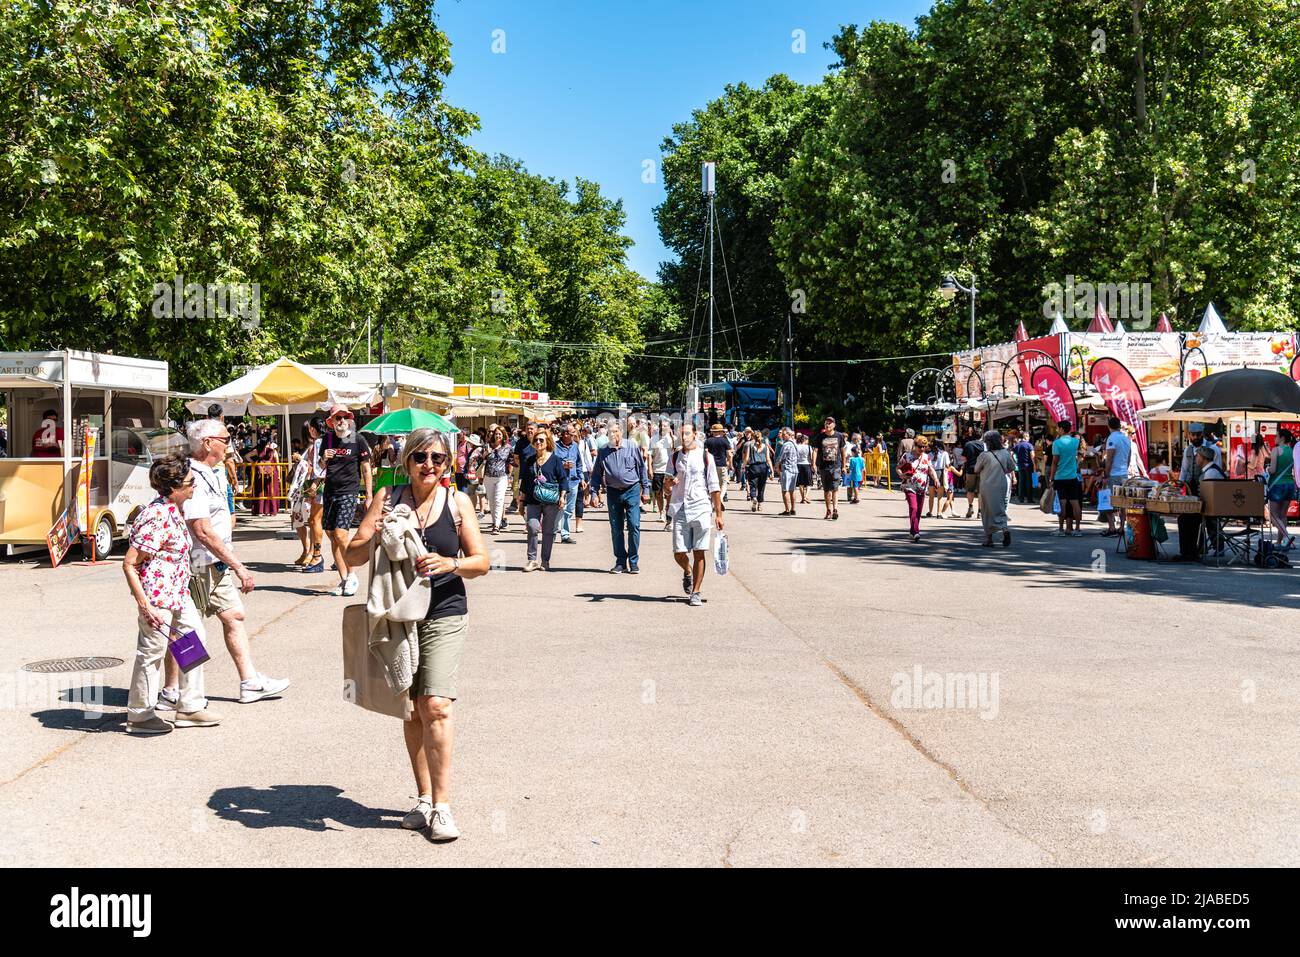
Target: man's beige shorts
(214,593)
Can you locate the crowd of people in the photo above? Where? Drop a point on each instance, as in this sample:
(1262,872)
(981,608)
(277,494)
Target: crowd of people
(429,528)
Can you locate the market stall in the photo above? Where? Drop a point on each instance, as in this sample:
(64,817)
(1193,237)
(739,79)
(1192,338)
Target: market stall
(1228,514)
(122,402)
(281,389)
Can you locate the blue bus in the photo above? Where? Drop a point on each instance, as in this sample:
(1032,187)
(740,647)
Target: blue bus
(742,404)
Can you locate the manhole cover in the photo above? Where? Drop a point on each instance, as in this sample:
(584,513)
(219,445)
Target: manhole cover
(55,666)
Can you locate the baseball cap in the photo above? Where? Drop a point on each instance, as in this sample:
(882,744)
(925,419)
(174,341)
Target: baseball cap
(1196,427)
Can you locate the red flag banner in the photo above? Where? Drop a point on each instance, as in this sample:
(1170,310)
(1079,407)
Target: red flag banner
(1295,368)
(1054,392)
(1031,356)
(1123,398)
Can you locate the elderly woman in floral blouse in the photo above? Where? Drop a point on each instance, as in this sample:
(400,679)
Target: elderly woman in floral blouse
(157,568)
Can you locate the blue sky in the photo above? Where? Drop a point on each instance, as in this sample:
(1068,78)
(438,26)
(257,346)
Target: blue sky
(591,88)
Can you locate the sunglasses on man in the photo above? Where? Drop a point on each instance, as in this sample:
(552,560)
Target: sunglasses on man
(341,416)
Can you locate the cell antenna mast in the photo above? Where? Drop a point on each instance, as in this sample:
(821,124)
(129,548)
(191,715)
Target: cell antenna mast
(707,174)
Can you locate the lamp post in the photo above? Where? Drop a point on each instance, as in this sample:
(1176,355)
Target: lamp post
(950,287)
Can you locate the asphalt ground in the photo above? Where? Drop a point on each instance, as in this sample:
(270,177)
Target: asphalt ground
(1120,712)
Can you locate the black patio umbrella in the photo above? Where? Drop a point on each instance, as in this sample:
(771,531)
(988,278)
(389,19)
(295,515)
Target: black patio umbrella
(1260,393)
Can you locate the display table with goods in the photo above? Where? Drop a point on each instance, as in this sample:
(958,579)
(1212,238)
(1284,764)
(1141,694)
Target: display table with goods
(1143,533)
(1234,513)
(1261,395)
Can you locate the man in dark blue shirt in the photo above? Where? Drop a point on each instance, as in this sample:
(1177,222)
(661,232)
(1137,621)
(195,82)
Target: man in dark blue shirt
(1024,450)
(620,467)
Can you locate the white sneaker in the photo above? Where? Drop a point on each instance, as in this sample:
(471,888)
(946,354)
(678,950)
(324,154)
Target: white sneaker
(441,825)
(340,589)
(260,687)
(350,586)
(167,700)
(417,817)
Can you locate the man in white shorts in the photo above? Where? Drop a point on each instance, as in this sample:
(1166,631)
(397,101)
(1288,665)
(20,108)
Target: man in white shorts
(694,491)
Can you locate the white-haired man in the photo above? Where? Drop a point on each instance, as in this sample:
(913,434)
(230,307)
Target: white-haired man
(216,575)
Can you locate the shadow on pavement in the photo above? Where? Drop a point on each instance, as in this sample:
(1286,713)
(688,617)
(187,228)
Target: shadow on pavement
(304,806)
(954,545)
(299,591)
(607,596)
(95,695)
(79,719)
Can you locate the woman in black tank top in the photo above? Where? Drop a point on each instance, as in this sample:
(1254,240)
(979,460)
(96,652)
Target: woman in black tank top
(449,527)
(440,538)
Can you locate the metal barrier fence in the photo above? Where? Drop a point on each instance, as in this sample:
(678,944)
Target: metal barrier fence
(263,482)
(878,468)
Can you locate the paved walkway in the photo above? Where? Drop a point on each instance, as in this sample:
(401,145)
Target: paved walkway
(1131,713)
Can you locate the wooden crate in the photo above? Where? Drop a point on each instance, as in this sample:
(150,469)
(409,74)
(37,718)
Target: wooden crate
(1127,501)
(1174,508)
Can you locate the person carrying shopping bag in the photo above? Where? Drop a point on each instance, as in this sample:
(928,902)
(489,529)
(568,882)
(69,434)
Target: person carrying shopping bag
(157,569)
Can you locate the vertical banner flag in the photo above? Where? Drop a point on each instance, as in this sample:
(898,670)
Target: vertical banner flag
(83,483)
(1119,390)
(1054,392)
(1295,368)
(1032,353)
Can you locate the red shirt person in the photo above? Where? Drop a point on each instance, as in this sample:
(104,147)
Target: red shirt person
(47,440)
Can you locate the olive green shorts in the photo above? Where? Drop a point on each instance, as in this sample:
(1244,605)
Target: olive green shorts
(441,642)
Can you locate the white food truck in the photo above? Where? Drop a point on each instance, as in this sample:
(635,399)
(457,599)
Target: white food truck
(124,399)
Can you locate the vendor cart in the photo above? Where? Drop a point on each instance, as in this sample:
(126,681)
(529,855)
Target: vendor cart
(124,399)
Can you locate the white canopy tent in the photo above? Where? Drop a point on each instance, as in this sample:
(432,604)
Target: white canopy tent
(1212,322)
(282,388)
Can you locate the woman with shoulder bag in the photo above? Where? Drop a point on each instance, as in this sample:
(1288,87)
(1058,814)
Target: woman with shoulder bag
(157,569)
(916,473)
(542,487)
(996,468)
(437,513)
(1280,487)
(758,466)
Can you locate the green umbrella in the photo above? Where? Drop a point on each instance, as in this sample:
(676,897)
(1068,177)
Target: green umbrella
(403,421)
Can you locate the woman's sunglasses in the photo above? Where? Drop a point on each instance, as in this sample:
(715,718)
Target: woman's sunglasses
(434,458)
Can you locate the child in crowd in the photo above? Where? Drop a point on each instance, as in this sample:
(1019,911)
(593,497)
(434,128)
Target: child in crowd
(857,468)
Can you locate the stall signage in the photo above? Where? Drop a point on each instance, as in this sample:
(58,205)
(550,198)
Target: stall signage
(59,538)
